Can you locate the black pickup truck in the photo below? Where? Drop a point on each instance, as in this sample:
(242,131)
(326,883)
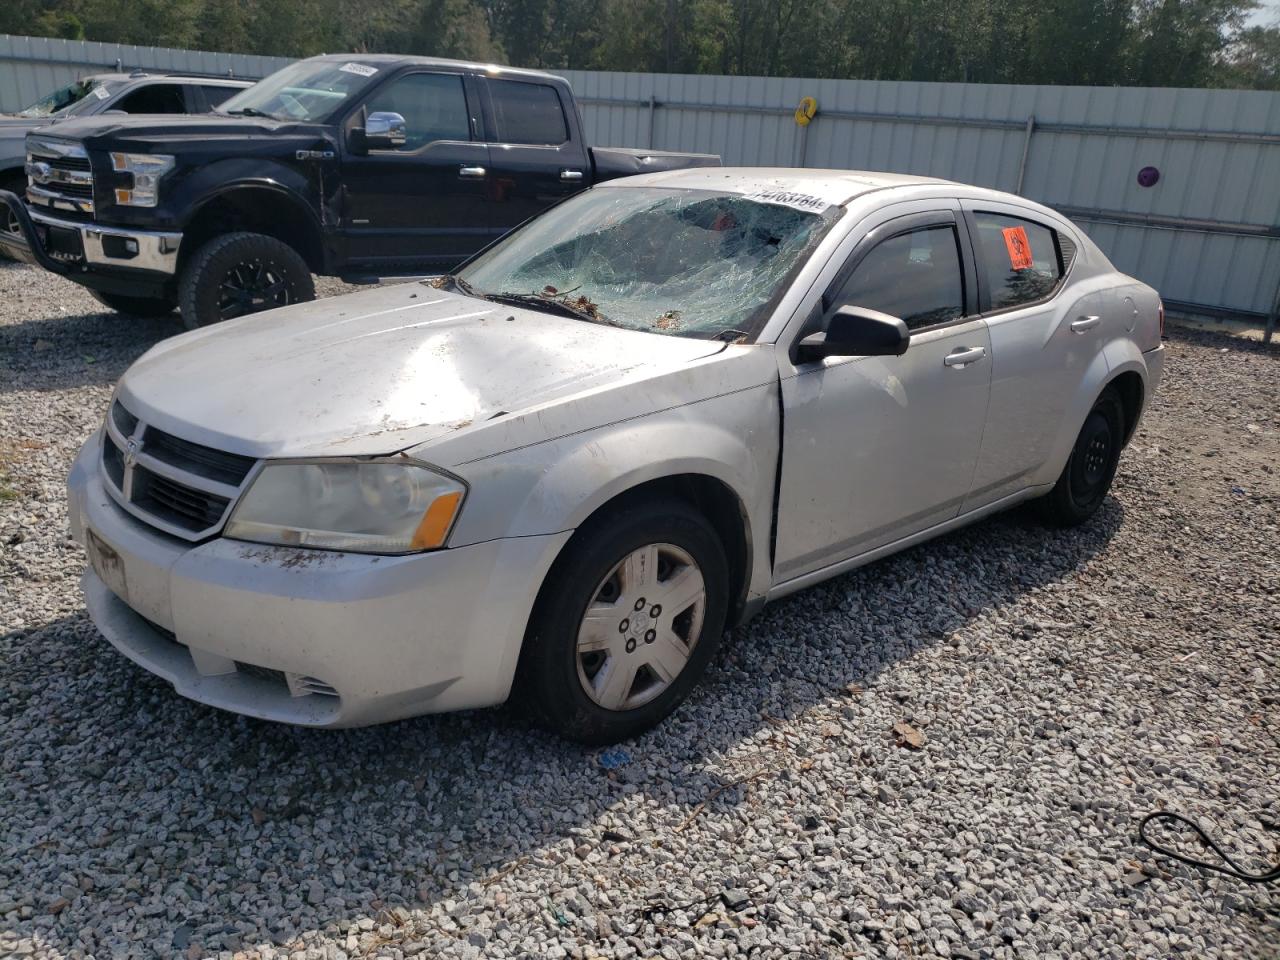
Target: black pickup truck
(354,166)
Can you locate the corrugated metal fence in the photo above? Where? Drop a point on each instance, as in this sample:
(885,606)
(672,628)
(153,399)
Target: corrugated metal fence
(1206,234)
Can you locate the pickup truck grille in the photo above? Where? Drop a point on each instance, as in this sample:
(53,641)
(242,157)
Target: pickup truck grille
(182,488)
(59,177)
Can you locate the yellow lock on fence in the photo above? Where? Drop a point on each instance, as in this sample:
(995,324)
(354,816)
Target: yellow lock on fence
(806,111)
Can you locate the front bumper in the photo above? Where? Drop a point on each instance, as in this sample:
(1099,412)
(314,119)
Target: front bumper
(307,636)
(68,246)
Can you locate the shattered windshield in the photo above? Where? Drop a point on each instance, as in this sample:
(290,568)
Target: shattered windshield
(695,263)
(69,100)
(307,91)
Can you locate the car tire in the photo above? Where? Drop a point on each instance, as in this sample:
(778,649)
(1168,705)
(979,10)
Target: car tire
(594,624)
(1087,477)
(135,306)
(9,222)
(237,274)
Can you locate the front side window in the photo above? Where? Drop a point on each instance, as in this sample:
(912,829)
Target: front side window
(432,104)
(696,263)
(1017,259)
(914,276)
(527,113)
(154,98)
(309,91)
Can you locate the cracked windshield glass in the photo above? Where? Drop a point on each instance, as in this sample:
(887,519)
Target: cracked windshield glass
(695,263)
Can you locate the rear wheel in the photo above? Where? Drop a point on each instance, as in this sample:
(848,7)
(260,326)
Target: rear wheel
(1091,467)
(626,623)
(135,306)
(241,273)
(8,220)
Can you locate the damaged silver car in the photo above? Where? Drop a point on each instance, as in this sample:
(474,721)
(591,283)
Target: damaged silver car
(562,472)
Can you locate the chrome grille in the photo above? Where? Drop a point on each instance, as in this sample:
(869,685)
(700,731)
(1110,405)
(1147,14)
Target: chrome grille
(59,176)
(180,487)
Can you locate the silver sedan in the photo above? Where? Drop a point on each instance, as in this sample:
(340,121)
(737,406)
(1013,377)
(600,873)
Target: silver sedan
(560,473)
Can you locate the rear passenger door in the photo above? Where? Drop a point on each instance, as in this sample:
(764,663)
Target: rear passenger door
(1041,342)
(533,160)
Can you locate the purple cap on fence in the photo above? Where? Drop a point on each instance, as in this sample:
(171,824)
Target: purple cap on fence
(1148,177)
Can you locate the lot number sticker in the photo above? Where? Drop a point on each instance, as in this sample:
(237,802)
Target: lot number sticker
(101,93)
(359,69)
(1019,247)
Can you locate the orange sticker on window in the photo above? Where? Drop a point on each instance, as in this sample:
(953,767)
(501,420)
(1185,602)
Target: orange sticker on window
(1019,247)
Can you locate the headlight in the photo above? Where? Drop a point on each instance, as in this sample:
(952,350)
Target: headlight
(376,506)
(147,169)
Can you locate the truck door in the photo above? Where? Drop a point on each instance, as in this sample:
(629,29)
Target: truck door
(421,204)
(534,160)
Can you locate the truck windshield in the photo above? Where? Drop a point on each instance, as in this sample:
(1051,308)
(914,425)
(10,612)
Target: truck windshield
(308,91)
(74,98)
(694,263)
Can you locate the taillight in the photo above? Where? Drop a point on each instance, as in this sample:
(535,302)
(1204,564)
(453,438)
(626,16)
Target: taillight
(1161,302)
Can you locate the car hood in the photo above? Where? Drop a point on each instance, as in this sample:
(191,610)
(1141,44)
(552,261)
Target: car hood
(177,131)
(384,370)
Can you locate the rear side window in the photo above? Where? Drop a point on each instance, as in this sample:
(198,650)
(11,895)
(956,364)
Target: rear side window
(527,113)
(216,94)
(153,98)
(914,276)
(1018,259)
(432,104)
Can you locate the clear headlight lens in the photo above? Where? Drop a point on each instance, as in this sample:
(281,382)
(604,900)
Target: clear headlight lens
(147,169)
(366,507)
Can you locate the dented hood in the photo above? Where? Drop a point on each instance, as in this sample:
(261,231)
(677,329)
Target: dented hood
(382,370)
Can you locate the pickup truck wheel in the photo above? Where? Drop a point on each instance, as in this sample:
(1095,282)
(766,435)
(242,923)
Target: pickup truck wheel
(135,306)
(241,273)
(1091,467)
(626,623)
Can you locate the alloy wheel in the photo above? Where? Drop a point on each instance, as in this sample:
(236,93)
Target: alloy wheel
(252,286)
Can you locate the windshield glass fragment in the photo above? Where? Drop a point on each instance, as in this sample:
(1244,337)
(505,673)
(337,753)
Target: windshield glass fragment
(679,262)
(69,100)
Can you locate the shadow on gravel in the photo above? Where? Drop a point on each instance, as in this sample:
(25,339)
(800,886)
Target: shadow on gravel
(175,810)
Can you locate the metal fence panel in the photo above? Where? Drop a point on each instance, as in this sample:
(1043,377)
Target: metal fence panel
(1207,235)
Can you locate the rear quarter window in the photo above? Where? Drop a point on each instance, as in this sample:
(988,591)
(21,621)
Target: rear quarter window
(527,113)
(1019,260)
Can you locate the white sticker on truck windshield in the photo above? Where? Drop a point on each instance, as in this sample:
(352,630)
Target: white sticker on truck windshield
(359,69)
(787,198)
(101,93)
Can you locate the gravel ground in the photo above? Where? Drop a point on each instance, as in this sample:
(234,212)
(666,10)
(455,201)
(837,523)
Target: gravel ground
(1063,685)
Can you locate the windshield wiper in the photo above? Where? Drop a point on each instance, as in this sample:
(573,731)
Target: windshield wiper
(250,112)
(551,305)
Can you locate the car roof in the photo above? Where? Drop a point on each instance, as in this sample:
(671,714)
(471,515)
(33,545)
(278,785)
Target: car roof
(398,59)
(831,187)
(192,77)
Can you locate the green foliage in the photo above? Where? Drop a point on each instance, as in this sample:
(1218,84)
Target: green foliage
(1141,42)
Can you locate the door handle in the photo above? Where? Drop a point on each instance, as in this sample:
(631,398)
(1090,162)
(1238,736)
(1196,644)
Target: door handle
(571,175)
(471,173)
(1081,324)
(962,356)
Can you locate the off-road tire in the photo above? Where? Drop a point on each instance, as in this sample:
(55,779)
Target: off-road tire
(201,285)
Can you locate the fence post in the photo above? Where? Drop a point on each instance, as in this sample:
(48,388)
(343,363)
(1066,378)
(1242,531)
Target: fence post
(1026,150)
(653,102)
(1272,316)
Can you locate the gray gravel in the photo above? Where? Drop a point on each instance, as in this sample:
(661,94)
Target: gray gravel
(1062,684)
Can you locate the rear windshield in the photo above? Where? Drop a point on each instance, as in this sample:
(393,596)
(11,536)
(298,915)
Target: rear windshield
(697,263)
(75,98)
(309,91)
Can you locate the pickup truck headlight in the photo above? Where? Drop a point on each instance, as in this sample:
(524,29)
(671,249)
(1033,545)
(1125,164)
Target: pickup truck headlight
(378,506)
(147,169)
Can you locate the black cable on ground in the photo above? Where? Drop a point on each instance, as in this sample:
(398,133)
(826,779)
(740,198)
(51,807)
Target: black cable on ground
(1228,866)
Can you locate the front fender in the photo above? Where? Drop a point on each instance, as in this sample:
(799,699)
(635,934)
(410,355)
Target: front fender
(555,486)
(199,187)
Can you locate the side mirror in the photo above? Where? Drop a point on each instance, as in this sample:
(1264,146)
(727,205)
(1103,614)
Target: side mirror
(384,131)
(856,332)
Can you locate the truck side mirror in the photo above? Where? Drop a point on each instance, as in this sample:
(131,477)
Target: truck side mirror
(384,131)
(856,332)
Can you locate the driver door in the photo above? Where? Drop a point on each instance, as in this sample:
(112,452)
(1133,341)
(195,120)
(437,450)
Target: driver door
(878,448)
(423,203)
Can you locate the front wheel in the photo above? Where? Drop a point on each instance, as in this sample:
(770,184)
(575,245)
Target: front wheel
(1091,467)
(135,306)
(626,623)
(241,273)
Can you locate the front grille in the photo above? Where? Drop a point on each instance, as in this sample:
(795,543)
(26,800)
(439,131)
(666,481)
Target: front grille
(176,503)
(229,468)
(183,488)
(60,177)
